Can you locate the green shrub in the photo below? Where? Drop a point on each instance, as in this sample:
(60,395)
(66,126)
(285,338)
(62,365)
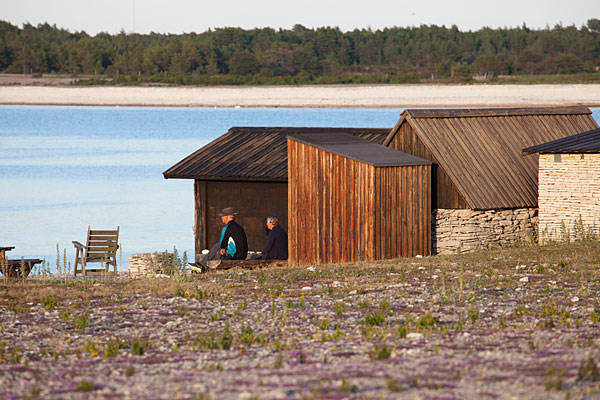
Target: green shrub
(49,303)
(140,346)
(375,319)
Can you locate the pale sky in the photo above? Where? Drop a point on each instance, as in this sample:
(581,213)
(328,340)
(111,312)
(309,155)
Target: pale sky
(183,16)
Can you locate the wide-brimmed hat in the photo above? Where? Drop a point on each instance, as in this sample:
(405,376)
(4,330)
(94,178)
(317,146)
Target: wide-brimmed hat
(228,211)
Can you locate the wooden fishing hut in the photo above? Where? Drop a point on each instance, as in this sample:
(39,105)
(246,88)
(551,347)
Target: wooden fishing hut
(246,168)
(484,192)
(351,200)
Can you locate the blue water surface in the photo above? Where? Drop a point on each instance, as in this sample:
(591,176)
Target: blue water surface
(63,168)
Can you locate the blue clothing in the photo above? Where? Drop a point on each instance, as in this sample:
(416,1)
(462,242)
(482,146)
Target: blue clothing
(233,240)
(230,243)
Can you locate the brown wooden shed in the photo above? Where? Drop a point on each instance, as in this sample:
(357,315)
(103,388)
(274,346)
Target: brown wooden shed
(246,168)
(352,200)
(484,192)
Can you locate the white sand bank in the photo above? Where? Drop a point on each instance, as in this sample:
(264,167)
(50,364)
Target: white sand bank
(400,96)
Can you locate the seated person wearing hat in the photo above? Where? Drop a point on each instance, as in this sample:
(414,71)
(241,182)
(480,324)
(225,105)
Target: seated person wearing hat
(233,242)
(232,245)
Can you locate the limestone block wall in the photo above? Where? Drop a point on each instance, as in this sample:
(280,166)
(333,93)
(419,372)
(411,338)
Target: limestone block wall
(569,196)
(459,231)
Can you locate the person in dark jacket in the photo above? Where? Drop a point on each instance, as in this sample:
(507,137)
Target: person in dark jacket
(233,242)
(232,245)
(277,241)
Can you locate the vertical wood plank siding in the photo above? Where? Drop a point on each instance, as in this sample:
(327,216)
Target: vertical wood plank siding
(342,210)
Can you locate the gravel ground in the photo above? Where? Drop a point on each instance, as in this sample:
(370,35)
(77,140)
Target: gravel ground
(505,324)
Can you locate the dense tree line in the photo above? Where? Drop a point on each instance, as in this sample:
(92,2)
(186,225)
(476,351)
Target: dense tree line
(301,55)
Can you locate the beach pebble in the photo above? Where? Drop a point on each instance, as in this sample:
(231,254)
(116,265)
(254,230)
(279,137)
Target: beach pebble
(415,336)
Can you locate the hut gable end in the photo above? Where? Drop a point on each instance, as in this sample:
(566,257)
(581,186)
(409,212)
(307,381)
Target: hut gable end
(477,152)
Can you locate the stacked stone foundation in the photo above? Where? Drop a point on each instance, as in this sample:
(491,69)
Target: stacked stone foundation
(460,231)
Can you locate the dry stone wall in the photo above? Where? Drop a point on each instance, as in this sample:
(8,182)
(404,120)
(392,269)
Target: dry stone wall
(569,196)
(459,231)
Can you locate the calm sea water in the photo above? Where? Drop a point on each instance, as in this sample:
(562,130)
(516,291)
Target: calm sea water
(64,168)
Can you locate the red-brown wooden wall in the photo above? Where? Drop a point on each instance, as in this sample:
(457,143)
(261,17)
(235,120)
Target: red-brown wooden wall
(341,210)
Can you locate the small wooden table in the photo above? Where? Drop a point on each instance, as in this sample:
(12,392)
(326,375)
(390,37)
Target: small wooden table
(16,268)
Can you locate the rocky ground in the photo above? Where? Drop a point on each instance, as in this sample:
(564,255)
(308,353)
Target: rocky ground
(520,323)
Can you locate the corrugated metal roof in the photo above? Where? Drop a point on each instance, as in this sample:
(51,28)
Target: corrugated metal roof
(585,142)
(253,153)
(358,149)
(480,149)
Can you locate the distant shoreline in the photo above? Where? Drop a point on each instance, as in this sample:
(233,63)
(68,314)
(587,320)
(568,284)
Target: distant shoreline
(396,96)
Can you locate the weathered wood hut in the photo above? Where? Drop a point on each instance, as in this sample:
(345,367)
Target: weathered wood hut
(246,168)
(350,199)
(569,186)
(484,192)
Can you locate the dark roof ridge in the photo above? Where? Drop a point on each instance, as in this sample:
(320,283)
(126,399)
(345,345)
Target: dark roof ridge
(583,142)
(494,111)
(307,129)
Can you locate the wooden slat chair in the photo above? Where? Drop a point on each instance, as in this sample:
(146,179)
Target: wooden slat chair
(101,247)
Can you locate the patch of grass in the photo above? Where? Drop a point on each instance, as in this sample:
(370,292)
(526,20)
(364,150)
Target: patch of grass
(182,311)
(473,314)
(49,303)
(364,304)
(113,346)
(426,320)
(90,347)
(322,323)
(247,335)
(339,309)
(375,319)
(554,379)
(226,339)
(81,321)
(380,352)
(346,387)
(278,361)
(214,367)
(394,386)
(65,314)
(139,346)
(588,371)
(85,386)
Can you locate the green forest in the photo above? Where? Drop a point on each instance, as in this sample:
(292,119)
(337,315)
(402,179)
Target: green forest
(266,56)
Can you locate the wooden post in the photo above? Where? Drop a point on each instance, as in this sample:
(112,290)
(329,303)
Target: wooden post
(201,210)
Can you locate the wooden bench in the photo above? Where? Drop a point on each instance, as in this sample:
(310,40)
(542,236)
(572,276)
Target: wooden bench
(16,268)
(100,248)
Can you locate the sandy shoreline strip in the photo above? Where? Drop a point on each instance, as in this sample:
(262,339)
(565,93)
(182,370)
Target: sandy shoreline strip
(399,96)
